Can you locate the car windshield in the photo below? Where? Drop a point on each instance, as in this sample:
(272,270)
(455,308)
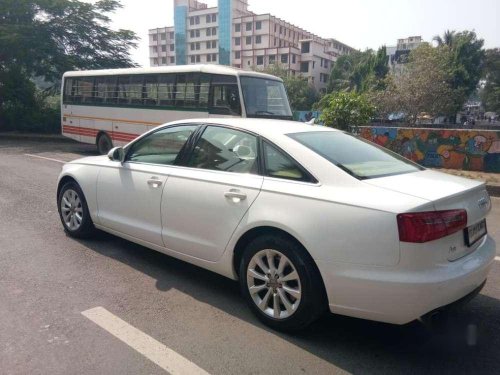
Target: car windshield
(265,98)
(357,157)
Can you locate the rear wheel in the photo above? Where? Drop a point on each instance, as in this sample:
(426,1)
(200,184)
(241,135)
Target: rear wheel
(74,212)
(104,143)
(281,284)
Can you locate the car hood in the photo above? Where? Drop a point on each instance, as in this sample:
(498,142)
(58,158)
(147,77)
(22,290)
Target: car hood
(91,160)
(427,184)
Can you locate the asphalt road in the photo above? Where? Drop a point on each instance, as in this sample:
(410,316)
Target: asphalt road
(48,279)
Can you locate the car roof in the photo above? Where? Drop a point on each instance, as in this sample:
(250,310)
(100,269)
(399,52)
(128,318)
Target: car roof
(263,127)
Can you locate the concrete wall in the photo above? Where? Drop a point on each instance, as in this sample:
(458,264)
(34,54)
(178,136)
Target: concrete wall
(475,150)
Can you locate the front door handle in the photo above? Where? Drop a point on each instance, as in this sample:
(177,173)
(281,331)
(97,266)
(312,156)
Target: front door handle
(154,182)
(235,195)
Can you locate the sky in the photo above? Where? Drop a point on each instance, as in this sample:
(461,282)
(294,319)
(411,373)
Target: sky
(359,23)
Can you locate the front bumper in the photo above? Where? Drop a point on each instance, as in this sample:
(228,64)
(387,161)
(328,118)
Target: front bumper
(399,296)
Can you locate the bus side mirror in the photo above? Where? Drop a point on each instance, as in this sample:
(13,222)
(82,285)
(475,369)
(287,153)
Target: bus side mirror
(116,154)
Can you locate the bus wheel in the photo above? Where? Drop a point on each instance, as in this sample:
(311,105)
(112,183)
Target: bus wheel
(104,143)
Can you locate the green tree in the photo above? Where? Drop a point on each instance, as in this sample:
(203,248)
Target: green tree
(301,94)
(448,38)
(344,109)
(359,71)
(44,38)
(490,94)
(421,85)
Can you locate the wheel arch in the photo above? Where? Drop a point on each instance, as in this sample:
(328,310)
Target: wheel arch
(258,231)
(63,181)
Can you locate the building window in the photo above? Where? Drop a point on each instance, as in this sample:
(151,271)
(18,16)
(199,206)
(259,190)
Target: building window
(172,60)
(249,26)
(197,46)
(155,37)
(163,60)
(281,29)
(209,58)
(197,20)
(306,47)
(214,31)
(272,59)
(294,59)
(214,17)
(258,39)
(171,36)
(191,21)
(275,42)
(155,61)
(284,59)
(237,41)
(248,40)
(209,18)
(260,60)
(209,45)
(214,44)
(198,58)
(197,33)
(214,57)
(326,64)
(237,55)
(237,27)
(163,36)
(192,46)
(192,59)
(258,25)
(275,27)
(209,32)
(314,64)
(155,49)
(304,67)
(191,34)
(164,48)
(172,47)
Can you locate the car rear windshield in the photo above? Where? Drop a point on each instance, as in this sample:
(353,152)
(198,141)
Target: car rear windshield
(356,156)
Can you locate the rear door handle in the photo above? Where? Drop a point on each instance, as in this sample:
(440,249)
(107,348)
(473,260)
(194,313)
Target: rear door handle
(235,195)
(154,182)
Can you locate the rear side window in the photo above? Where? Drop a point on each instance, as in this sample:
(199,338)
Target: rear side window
(357,157)
(280,165)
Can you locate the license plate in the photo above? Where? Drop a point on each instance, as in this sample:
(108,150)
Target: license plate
(475,232)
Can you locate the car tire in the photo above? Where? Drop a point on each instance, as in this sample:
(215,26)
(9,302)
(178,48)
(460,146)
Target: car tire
(74,212)
(295,310)
(104,144)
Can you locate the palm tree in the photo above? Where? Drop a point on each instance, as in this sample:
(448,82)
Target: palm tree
(448,38)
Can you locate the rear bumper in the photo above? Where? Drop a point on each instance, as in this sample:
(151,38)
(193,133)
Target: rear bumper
(399,296)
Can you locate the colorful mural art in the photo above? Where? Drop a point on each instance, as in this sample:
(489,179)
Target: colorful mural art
(441,148)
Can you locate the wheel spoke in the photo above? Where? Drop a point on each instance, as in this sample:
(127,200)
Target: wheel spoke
(257,288)
(281,266)
(78,218)
(290,277)
(262,266)
(285,301)
(276,305)
(256,275)
(66,202)
(263,304)
(293,292)
(270,261)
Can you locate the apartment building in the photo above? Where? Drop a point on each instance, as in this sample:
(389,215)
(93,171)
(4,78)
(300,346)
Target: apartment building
(399,54)
(230,34)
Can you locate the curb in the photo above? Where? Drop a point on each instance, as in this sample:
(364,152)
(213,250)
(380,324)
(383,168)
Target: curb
(493,190)
(36,137)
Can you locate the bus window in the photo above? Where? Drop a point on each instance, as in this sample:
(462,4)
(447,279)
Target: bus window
(166,90)
(203,91)
(224,96)
(68,88)
(123,83)
(151,90)
(192,84)
(135,89)
(105,90)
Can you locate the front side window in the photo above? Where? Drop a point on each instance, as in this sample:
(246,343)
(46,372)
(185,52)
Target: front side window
(162,147)
(280,165)
(224,95)
(265,98)
(228,150)
(357,157)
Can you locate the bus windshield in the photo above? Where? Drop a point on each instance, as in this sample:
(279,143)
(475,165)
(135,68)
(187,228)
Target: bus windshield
(265,98)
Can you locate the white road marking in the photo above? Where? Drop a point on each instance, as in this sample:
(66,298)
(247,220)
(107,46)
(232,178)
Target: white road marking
(497,259)
(44,158)
(153,350)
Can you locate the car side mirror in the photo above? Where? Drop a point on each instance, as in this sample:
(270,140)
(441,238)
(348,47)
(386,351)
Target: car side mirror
(116,154)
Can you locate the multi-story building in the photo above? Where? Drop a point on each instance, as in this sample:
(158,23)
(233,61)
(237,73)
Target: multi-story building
(230,34)
(399,54)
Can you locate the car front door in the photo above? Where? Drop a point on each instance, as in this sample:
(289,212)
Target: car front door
(129,193)
(204,201)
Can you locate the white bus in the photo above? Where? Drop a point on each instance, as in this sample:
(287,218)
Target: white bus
(112,107)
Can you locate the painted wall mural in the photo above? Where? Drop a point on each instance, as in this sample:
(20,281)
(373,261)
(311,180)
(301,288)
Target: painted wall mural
(441,148)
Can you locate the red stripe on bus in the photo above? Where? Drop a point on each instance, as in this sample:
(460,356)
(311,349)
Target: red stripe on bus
(119,136)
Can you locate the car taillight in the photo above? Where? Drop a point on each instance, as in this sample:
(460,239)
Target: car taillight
(419,227)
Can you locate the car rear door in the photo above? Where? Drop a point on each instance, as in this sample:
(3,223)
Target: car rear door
(204,201)
(129,193)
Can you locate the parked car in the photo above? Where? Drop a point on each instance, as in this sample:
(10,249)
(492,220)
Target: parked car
(307,218)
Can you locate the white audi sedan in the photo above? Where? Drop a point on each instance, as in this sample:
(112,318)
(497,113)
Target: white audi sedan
(307,218)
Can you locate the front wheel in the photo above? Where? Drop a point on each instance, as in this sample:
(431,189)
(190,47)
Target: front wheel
(281,284)
(74,212)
